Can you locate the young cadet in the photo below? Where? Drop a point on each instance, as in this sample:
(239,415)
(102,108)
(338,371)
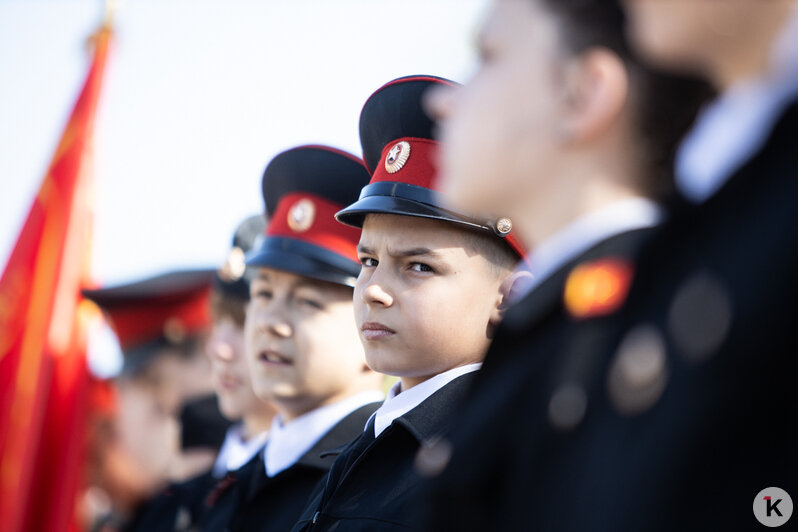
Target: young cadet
(724,304)
(578,136)
(181,505)
(161,323)
(301,341)
(229,367)
(429,295)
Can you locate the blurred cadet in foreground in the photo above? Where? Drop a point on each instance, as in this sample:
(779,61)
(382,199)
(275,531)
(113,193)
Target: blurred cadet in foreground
(726,306)
(166,426)
(563,129)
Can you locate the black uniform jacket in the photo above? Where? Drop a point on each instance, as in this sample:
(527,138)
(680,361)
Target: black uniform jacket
(374,483)
(176,508)
(493,472)
(671,414)
(249,500)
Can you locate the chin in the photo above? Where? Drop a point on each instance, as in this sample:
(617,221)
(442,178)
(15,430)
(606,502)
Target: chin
(381,363)
(231,412)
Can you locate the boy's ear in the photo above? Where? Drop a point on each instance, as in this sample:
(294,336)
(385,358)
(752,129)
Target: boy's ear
(510,291)
(596,86)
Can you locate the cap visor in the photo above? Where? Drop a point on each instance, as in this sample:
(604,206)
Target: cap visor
(355,213)
(302,258)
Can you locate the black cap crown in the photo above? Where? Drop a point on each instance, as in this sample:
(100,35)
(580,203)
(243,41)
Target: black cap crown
(302,189)
(232,278)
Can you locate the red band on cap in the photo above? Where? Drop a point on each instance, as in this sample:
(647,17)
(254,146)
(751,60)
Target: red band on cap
(419,169)
(137,324)
(310,218)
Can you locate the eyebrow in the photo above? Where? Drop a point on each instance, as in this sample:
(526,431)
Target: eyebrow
(410,252)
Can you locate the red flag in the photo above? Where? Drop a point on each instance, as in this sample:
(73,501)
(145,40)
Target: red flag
(43,372)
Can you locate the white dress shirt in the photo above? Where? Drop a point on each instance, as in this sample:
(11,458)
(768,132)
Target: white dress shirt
(732,129)
(289,441)
(236,451)
(399,403)
(584,233)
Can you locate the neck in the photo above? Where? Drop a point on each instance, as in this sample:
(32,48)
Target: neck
(749,63)
(749,58)
(409,382)
(571,196)
(290,410)
(257,422)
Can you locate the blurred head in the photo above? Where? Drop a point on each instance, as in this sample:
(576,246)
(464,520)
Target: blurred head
(302,344)
(142,410)
(429,294)
(229,368)
(558,99)
(727,40)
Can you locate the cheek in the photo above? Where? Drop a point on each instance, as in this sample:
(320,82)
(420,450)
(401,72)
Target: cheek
(496,131)
(466,324)
(249,339)
(359,306)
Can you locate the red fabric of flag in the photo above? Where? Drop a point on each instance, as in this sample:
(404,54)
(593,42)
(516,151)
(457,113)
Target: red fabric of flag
(43,373)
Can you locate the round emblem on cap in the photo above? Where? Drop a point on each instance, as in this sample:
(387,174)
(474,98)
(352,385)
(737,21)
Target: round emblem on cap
(174,331)
(504,226)
(397,157)
(234,267)
(301,215)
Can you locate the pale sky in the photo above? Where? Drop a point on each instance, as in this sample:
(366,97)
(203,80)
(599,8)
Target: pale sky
(199,96)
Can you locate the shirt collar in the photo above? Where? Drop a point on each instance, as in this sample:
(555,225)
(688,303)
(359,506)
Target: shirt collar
(585,232)
(732,129)
(236,451)
(399,402)
(288,442)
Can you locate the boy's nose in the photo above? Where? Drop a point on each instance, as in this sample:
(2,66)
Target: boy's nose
(280,328)
(274,323)
(439,101)
(221,350)
(374,293)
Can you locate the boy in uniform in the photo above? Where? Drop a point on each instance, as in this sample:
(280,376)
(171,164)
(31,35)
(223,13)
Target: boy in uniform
(181,505)
(161,323)
(428,297)
(301,342)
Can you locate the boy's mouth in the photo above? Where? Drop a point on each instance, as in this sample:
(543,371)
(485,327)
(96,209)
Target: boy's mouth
(373,330)
(229,382)
(273,357)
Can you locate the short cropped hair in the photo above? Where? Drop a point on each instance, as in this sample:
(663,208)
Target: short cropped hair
(665,105)
(502,258)
(226,305)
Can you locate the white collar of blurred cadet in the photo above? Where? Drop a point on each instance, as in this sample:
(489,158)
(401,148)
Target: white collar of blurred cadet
(236,451)
(585,232)
(733,128)
(288,442)
(399,403)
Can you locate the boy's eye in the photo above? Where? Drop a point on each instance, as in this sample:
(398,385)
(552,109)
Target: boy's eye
(310,303)
(420,267)
(368,262)
(261,294)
